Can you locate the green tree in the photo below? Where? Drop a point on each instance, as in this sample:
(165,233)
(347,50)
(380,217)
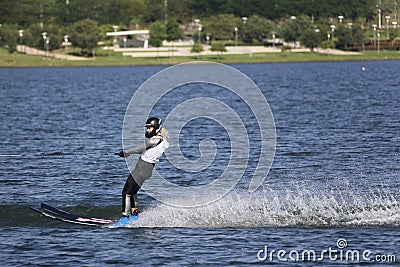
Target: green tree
(157,34)
(28,12)
(326,44)
(85,34)
(311,38)
(218,47)
(222,26)
(393,34)
(197,48)
(344,37)
(256,28)
(294,27)
(358,35)
(9,36)
(173,32)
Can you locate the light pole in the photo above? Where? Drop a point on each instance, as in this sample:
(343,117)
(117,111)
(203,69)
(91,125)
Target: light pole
(197,26)
(21,34)
(293,18)
(165,11)
(66,43)
(349,24)
(47,46)
(333,33)
(244,20)
(394,23)
(115,41)
(44,35)
(273,40)
(387,26)
(208,42)
(379,35)
(379,16)
(200,28)
(340,19)
(236,39)
(67,6)
(374,26)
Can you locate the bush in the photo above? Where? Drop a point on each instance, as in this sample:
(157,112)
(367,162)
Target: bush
(286,48)
(197,48)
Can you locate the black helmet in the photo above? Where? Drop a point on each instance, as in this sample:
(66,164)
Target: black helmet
(156,123)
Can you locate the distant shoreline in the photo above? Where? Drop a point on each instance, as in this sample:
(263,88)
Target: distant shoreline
(235,55)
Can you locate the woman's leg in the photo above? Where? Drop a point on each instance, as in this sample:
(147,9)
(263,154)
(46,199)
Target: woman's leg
(129,197)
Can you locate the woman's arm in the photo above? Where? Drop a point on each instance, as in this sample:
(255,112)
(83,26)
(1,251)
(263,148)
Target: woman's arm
(149,143)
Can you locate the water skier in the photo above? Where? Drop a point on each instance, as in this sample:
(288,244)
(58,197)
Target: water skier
(155,145)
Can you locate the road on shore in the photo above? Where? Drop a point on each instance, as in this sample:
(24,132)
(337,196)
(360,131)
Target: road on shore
(180,51)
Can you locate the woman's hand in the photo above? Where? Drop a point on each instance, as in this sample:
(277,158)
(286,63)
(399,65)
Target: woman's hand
(123,154)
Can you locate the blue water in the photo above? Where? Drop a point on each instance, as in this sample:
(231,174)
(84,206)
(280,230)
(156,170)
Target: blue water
(335,175)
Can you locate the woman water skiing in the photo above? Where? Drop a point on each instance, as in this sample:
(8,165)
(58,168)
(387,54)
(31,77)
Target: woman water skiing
(155,145)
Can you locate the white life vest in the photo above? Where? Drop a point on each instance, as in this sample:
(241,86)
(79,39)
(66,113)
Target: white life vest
(153,154)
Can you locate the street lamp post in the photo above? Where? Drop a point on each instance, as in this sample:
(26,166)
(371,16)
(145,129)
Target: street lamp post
(333,32)
(394,23)
(236,38)
(293,18)
(273,40)
(125,39)
(200,28)
(208,42)
(244,20)
(47,46)
(379,35)
(340,19)
(379,16)
(44,35)
(374,26)
(387,26)
(21,34)
(66,43)
(115,41)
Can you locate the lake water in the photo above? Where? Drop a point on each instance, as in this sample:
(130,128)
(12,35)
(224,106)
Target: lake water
(333,187)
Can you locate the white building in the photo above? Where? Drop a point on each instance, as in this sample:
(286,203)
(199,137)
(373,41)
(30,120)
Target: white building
(134,38)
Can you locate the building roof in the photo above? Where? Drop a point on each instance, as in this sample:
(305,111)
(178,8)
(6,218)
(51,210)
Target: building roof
(123,33)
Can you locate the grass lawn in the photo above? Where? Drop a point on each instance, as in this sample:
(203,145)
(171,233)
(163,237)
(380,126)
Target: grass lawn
(110,58)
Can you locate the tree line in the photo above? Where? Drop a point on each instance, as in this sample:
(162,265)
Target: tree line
(125,12)
(85,23)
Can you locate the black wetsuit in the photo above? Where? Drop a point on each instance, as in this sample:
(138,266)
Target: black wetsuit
(151,151)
